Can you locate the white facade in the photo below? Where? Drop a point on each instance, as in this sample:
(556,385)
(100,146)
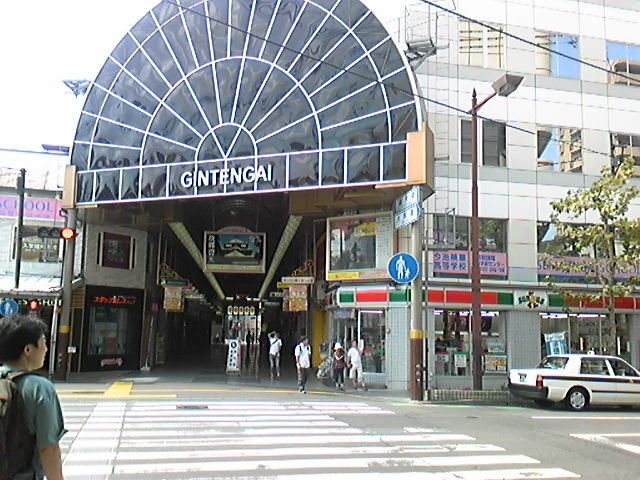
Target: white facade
(578,102)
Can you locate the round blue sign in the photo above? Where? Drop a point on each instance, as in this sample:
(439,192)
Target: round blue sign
(403,268)
(8,307)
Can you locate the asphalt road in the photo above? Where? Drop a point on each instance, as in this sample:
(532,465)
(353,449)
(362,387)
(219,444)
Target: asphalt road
(148,428)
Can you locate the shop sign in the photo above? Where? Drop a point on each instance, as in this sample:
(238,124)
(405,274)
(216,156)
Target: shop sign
(298,280)
(459,262)
(114,300)
(233,356)
(530,299)
(48,208)
(173,299)
(107,362)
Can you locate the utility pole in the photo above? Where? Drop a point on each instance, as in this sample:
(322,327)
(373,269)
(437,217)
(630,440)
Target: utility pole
(19,231)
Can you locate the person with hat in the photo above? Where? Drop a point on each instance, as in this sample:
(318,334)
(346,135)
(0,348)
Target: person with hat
(338,366)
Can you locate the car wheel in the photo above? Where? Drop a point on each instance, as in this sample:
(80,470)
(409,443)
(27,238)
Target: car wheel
(577,398)
(544,403)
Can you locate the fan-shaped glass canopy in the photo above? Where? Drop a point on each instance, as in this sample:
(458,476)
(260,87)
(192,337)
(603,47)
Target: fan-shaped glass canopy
(220,97)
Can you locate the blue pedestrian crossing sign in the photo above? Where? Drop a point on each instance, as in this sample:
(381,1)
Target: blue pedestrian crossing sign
(8,307)
(403,268)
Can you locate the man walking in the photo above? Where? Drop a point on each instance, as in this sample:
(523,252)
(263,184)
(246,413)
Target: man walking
(23,347)
(275,345)
(303,362)
(354,362)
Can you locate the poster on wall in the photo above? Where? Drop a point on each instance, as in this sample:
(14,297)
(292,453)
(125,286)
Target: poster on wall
(234,250)
(173,299)
(359,247)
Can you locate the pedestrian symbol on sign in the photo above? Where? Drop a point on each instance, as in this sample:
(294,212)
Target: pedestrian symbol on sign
(403,268)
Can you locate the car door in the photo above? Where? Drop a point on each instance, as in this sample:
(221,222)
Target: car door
(627,381)
(595,375)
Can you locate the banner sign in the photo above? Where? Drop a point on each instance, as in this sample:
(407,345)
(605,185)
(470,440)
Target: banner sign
(234,251)
(459,262)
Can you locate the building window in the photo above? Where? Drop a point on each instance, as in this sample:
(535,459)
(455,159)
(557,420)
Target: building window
(624,63)
(559,149)
(480,46)
(116,251)
(624,145)
(492,143)
(38,247)
(453,342)
(556,56)
(452,257)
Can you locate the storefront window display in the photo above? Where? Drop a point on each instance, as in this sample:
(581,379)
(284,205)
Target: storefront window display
(108,331)
(368,328)
(453,339)
(585,333)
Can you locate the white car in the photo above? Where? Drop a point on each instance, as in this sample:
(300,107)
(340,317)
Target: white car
(578,380)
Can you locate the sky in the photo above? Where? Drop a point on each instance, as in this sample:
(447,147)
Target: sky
(44,42)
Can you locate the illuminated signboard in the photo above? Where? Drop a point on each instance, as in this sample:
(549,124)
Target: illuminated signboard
(359,247)
(234,250)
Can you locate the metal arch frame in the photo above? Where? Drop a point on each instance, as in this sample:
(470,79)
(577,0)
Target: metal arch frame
(161,102)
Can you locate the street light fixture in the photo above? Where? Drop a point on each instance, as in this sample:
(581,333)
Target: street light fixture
(503,87)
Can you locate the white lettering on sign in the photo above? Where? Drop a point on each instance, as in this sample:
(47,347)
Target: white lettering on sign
(226,176)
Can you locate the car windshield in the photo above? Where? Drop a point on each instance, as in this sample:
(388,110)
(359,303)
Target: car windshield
(553,362)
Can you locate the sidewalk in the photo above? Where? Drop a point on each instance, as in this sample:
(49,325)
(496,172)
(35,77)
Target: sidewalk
(158,377)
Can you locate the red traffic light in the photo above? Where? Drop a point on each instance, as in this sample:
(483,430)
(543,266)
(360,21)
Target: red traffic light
(67,233)
(34,304)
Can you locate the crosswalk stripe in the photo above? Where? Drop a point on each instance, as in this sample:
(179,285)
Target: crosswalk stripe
(279,465)
(276,440)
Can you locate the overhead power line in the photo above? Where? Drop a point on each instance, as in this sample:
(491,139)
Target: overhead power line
(400,90)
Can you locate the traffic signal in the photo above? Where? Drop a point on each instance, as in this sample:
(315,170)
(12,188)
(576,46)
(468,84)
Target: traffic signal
(67,233)
(49,232)
(34,304)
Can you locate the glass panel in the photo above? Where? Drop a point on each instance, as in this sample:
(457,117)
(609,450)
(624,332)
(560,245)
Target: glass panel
(179,44)
(333,167)
(37,249)
(125,49)
(113,157)
(452,343)
(373,335)
(182,103)
(107,331)
(85,187)
(493,235)
(80,156)
(277,164)
(363,165)
(154,182)
(159,151)
(559,149)
(166,124)
(465,141)
(470,43)
(394,162)
(494,144)
(84,131)
(130,183)
(144,71)
(119,111)
(556,58)
(107,185)
(303,170)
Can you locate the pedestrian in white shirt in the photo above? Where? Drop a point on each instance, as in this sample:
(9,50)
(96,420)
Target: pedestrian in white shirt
(354,362)
(303,362)
(275,345)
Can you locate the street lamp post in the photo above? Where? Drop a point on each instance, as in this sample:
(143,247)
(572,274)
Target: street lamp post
(503,87)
